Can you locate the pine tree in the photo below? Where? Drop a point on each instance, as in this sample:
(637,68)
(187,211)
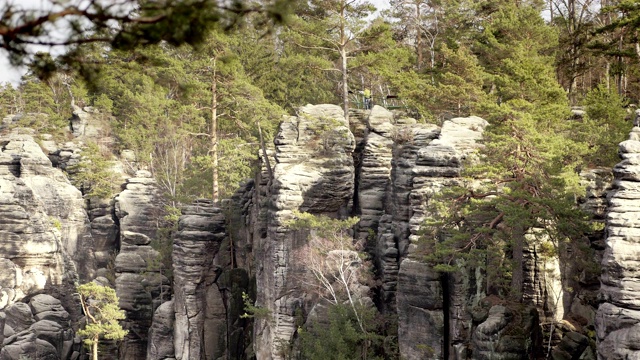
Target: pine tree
(125,25)
(525,182)
(100,306)
(336,27)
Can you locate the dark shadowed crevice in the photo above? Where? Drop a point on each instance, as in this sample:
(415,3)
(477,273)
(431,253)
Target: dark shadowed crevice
(446,304)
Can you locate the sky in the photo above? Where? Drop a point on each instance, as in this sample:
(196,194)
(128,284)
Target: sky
(9,73)
(12,75)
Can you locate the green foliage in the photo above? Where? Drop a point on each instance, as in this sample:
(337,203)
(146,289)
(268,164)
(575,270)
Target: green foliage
(339,331)
(251,311)
(163,244)
(163,113)
(55,222)
(604,126)
(100,305)
(127,25)
(523,187)
(94,174)
(322,225)
(9,100)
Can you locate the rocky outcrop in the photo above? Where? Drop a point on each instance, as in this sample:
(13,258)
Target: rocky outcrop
(420,312)
(140,284)
(160,345)
(508,333)
(313,172)
(87,122)
(44,229)
(385,170)
(428,160)
(618,317)
(200,330)
(38,330)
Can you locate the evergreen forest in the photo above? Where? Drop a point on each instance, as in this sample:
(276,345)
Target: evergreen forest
(198,98)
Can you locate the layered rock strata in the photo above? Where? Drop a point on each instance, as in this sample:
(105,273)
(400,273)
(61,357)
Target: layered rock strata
(140,284)
(431,160)
(38,330)
(313,172)
(618,317)
(44,229)
(200,323)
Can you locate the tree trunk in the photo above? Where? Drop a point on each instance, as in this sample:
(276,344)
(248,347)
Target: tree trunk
(345,85)
(214,134)
(344,40)
(418,35)
(94,348)
(607,69)
(517,274)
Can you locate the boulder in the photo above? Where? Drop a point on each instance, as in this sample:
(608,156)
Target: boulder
(160,345)
(46,307)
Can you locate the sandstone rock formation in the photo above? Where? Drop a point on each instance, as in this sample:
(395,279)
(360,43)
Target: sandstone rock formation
(427,160)
(37,330)
(139,282)
(44,230)
(399,166)
(200,326)
(313,172)
(382,167)
(160,345)
(618,317)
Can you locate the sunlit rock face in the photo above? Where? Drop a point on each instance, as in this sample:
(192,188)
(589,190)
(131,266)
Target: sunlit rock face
(139,284)
(313,172)
(618,317)
(44,229)
(427,159)
(398,166)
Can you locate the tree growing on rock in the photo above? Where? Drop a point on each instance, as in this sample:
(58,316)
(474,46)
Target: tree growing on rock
(100,306)
(338,274)
(526,183)
(338,28)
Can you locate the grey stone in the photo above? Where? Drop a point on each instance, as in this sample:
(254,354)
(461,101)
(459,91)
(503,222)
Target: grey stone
(618,318)
(138,284)
(19,316)
(161,333)
(195,272)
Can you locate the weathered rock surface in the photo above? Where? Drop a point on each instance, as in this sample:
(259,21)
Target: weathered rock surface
(38,330)
(420,312)
(160,346)
(427,160)
(139,282)
(508,334)
(313,172)
(200,331)
(618,317)
(44,229)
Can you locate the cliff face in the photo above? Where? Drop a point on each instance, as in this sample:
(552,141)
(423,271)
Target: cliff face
(313,172)
(52,238)
(47,247)
(380,167)
(385,173)
(139,284)
(618,318)
(44,229)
